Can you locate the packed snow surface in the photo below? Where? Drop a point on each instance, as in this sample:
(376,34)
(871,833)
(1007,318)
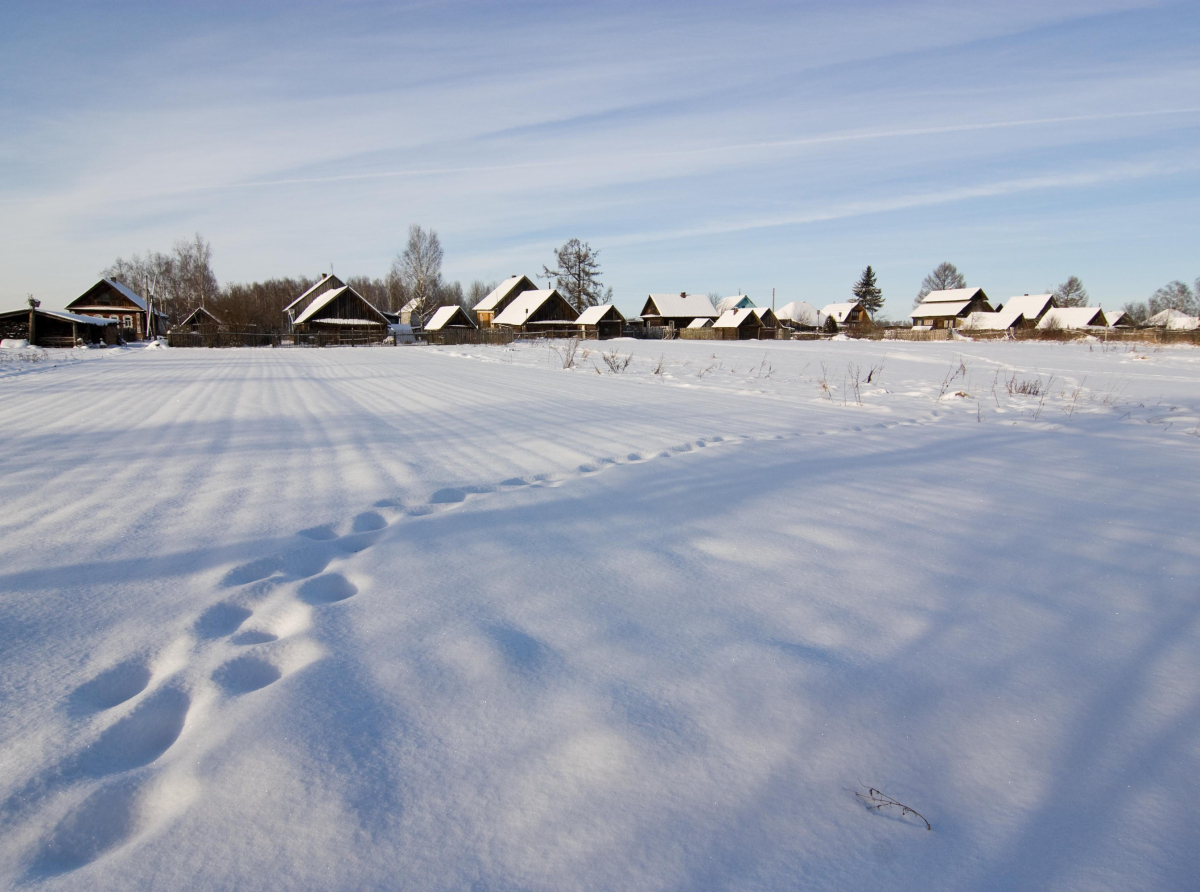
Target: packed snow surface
(463,618)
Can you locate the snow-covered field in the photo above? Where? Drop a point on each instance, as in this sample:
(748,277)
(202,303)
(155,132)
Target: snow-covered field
(459,618)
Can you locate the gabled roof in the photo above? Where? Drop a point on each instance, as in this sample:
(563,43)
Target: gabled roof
(120,287)
(674,306)
(323,300)
(702,322)
(981,321)
(199,312)
(735,318)
(503,290)
(737,302)
(763,312)
(1116,317)
(839,312)
(800,312)
(952,295)
(525,305)
(595,315)
(937,310)
(325,280)
(1172,319)
(63,315)
(444,316)
(1072,317)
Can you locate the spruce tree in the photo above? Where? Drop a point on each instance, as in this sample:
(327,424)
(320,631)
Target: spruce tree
(868,292)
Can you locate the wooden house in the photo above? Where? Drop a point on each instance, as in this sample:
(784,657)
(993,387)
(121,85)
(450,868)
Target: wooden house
(538,311)
(677,310)
(498,299)
(451,316)
(739,325)
(949,309)
(110,299)
(57,328)
(767,317)
(1023,311)
(800,314)
(601,323)
(1118,319)
(341,314)
(852,313)
(327,282)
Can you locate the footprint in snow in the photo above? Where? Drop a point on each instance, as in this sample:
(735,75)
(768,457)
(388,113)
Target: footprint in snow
(140,737)
(327,589)
(106,820)
(245,674)
(221,620)
(111,687)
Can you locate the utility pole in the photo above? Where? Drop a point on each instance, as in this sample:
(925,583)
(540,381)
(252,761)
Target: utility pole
(33,305)
(772,301)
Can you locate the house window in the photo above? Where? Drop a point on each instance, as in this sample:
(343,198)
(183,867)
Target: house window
(127,321)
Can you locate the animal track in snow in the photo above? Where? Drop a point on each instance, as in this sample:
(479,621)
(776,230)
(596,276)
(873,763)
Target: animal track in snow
(112,687)
(319,534)
(140,737)
(104,821)
(245,674)
(221,620)
(369,522)
(327,589)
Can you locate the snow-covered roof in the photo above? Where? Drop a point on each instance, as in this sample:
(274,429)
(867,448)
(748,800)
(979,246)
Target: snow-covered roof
(702,322)
(324,280)
(1031,306)
(673,306)
(761,312)
(951,295)
(800,312)
(75,317)
(736,302)
(199,311)
(523,306)
(839,312)
(323,300)
(980,321)
(1116,317)
(499,293)
(593,315)
(734,318)
(1173,319)
(443,316)
(1071,317)
(332,321)
(936,310)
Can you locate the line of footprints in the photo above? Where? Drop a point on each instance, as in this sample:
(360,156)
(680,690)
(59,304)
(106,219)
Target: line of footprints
(243,644)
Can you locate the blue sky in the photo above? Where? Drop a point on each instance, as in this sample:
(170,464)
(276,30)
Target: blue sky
(702,147)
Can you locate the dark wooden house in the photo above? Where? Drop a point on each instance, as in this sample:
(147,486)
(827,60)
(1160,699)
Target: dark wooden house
(738,325)
(677,310)
(200,319)
(539,311)
(341,315)
(451,316)
(327,282)
(500,297)
(110,299)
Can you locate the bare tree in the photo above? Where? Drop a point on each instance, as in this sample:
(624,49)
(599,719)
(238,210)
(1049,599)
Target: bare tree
(418,269)
(1173,296)
(576,275)
(945,276)
(1137,311)
(179,281)
(1071,293)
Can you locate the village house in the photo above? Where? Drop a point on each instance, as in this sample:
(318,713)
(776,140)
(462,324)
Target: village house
(110,299)
(949,309)
(767,317)
(339,315)
(327,282)
(57,328)
(544,311)
(677,310)
(200,319)
(736,302)
(1118,319)
(1174,320)
(498,299)
(602,322)
(800,314)
(852,313)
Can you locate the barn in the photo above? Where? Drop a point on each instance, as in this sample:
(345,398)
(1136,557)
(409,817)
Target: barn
(739,325)
(538,311)
(498,299)
(677,310)
(200,319)
(601,323)
(110,299)
(57,328)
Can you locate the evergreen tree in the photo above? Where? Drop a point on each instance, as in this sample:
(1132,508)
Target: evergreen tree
(868,292)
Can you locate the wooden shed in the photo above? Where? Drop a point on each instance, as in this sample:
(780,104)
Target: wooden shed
(498,299)
(200,319)
(110,299)
(57,328)
(739,325)
(601,323)
(539,311)
(677,310)
(451,316)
